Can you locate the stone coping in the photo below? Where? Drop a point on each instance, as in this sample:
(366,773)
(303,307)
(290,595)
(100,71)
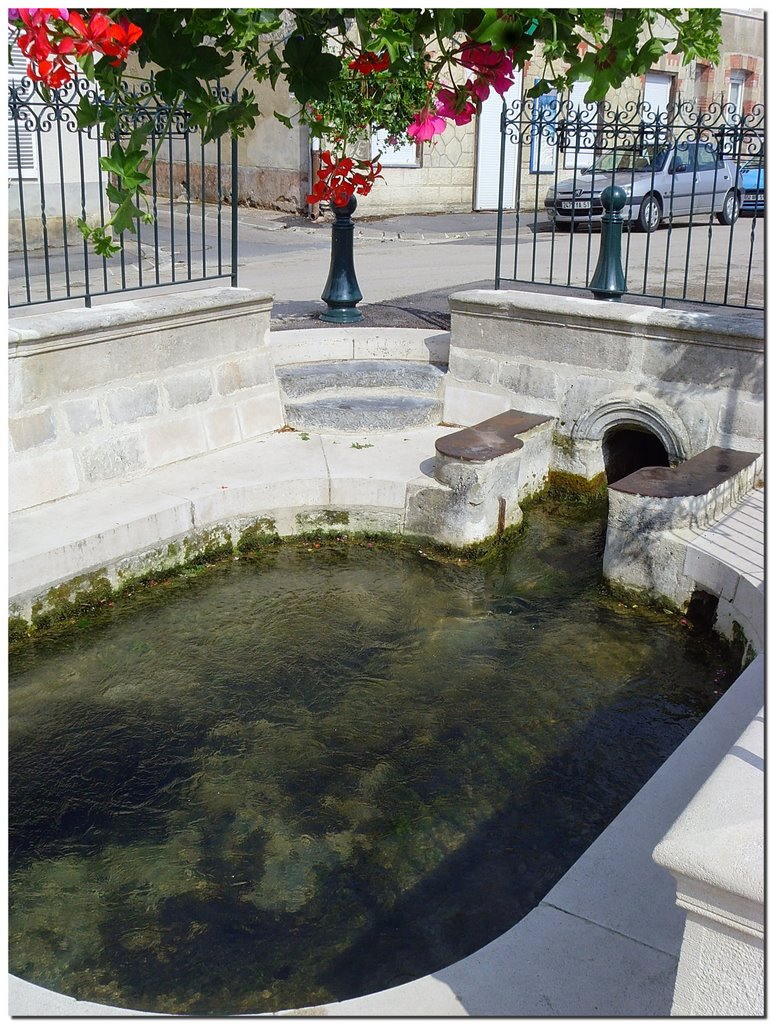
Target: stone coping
(712,329)
(697,475)
(718,840)
(491,438)
(325,344)
(141,315)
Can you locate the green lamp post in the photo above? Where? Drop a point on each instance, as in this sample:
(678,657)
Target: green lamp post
(608,281)
(341,293)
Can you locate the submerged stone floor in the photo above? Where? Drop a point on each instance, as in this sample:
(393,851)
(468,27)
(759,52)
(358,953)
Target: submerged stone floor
(605,940)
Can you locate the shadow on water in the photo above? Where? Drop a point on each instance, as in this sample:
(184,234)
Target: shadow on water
(516,856)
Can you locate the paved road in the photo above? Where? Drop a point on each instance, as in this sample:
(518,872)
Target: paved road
(407,265)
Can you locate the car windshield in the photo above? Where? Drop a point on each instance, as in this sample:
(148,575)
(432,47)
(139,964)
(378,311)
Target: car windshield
(650,158)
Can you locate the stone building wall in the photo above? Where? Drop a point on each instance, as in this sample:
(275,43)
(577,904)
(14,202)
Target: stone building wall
(442,182)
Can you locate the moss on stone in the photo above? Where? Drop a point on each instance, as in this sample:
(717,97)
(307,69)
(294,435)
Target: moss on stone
(70,600)
(207,546)
(563,442)
(572,487)
(18,629)
(632,597)
(741,645)
(325,519)
(257,536)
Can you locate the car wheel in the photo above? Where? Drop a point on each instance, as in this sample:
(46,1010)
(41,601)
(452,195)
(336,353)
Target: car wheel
(731,208)
(650,214)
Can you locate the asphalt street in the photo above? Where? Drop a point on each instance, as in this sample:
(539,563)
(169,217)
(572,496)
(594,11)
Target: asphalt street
(408,265)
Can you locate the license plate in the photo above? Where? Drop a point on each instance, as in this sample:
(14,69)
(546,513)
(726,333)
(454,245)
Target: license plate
(580,204)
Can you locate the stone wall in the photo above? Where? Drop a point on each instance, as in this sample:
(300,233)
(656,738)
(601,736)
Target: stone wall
(691,379)
(441,184)
(107,393)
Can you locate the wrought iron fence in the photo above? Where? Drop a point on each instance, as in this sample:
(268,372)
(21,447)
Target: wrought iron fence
(56,178)
(694,180)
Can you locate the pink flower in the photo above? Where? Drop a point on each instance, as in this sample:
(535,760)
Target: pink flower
(449,105)
(491,67)
(426,125)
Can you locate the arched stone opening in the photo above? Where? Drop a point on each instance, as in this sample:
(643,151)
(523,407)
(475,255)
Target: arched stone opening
(629,447)
(642,430)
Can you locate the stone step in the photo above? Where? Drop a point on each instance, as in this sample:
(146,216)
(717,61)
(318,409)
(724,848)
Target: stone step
(307,379)
(355,412)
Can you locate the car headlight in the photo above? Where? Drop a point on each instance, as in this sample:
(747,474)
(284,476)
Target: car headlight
(550,193)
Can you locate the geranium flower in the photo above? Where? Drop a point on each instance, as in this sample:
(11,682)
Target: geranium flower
(454,105)
(493,68)
(94,36)
(338,181)
(367,62)
(426,125)
(124,35)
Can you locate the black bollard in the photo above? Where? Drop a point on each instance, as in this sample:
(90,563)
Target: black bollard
(341,293)
(608,281)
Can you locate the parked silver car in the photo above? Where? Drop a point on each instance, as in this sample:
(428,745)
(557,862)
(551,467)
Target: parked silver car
(679,180)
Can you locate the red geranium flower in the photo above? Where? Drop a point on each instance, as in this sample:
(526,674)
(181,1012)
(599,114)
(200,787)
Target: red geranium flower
(339,181)
(94,36)
(367,62)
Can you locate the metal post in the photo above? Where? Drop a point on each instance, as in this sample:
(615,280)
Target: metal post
(341,293)
(234,211)
(500,210)
(608,281)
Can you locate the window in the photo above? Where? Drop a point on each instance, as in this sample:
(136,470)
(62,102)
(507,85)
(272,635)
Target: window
(736,90)
(394,156)
(684,158)
(708,158)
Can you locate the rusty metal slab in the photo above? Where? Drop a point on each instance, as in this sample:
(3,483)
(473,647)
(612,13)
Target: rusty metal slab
(491,438)
(695,476)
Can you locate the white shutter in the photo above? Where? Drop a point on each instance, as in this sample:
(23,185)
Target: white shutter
(486,191)
(22,144)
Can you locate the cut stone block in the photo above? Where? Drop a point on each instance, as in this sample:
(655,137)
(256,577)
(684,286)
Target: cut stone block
(352,413)
(312,378)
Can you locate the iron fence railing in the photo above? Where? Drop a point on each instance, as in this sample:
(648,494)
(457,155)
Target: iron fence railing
(56,178)
(694,179)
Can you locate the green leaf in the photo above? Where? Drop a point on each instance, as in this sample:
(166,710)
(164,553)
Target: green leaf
(123,218)
(87,113)
(286,121)
(309,70)
(103,243)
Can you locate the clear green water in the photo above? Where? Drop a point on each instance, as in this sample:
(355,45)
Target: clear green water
(340,769)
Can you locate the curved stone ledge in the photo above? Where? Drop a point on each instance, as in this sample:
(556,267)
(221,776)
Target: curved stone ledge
(715,852)
(322,344)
